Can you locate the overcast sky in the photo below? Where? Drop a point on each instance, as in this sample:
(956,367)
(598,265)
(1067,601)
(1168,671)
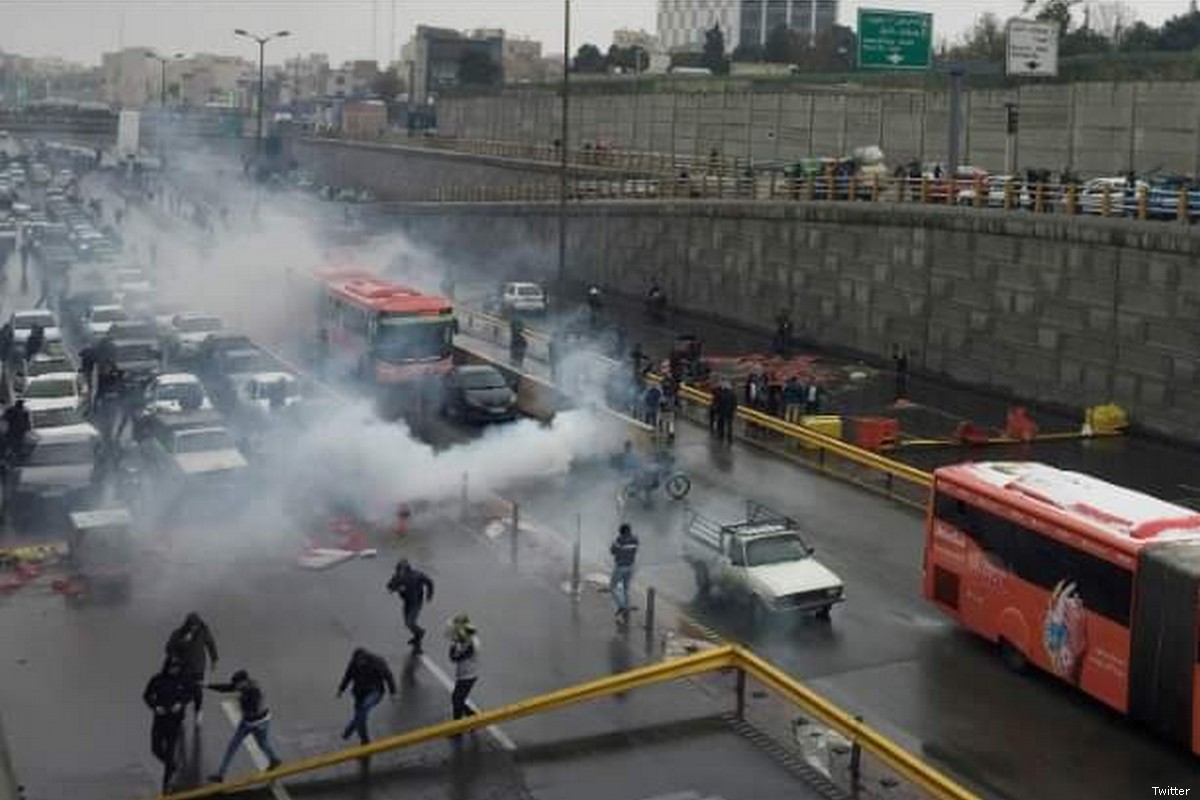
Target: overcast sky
(80,30)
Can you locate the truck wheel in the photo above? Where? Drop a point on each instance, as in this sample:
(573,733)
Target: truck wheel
(823,613)
(703,583)
(1013,658)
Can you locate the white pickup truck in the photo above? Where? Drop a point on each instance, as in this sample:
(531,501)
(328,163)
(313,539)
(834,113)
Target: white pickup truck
(763,562)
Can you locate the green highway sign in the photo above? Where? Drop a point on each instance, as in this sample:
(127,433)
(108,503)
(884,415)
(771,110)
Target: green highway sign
(894,40)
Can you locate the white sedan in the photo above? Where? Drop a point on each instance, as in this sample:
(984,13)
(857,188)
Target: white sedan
(23,322)
(175,393)
(52,391)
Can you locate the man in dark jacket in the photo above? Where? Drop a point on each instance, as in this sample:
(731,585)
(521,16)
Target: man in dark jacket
(33,345)
(255,721)
(193,646)
(624,553)
(167,694)
(414,588)
(17,425)
(369,675)
(727,405)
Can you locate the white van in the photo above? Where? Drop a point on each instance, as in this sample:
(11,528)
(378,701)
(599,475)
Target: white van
(524,298)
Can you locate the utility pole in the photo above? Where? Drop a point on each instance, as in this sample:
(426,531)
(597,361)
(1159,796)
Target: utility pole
(563,146)
(262,44)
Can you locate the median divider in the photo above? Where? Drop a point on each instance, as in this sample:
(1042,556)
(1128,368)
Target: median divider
(802,443)
(862,738)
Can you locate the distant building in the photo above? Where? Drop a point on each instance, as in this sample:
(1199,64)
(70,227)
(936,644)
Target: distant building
(523,62)
(682,23)
(207,79)
(435,54)
(131,78)
(306,78)
(659,58)
(24,80)
(364,119)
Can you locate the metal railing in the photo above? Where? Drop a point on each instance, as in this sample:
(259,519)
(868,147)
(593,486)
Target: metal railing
(929,780)
(1143,203)
(590,157)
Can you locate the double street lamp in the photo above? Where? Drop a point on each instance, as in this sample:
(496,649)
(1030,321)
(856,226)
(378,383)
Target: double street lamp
(262,43)
(162,82)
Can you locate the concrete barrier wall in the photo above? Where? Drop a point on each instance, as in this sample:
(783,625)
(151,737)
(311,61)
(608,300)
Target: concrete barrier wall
(1075,311)
(1093,128)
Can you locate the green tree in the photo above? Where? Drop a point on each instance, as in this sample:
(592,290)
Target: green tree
(782,46)
(476,68)
(387,84)
(1180,33)
(1140,38)
(745,53)
(1053,11)
(629,59)
(1085,41)
(983,42)
(588,58)
(714,51)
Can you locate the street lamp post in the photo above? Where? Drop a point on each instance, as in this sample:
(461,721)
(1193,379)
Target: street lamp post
(562,150)
(262,44)
(162,81)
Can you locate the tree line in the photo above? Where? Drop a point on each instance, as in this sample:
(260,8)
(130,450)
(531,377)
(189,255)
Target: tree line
(1085,28)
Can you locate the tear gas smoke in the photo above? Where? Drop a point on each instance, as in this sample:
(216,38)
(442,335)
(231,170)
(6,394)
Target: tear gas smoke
(251,271)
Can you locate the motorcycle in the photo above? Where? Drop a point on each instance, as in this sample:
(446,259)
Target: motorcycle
(660,474)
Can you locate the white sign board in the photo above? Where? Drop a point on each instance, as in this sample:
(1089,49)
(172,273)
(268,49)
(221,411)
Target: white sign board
(128,127)
(1032,48)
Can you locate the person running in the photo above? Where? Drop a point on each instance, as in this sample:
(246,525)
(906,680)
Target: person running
(167,695)
(415,589)
(464,653)
(518,343)
(193,646)
(255,721)
(367,674)
(624,553)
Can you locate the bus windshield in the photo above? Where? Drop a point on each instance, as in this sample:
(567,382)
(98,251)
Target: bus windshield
(401,339)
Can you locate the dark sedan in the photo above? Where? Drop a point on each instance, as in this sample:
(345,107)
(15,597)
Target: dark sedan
(478,394)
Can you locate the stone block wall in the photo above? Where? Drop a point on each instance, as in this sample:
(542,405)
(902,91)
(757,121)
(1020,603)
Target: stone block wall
(1074,311)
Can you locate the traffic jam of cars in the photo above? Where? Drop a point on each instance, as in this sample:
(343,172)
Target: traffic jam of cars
(113,399)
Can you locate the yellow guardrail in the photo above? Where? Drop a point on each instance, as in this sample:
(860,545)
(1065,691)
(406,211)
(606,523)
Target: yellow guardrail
(905,764)
(816,439)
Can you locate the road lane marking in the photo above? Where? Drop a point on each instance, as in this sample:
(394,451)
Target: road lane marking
(500,736)
(259,758)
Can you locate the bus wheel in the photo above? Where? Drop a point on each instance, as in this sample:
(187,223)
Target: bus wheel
(1013,658)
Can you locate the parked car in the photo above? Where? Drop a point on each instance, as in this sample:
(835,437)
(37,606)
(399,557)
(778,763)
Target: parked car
(762,562)
(522,297)
(478,393)
(40,364)
(23,321)
(52,391)
(175,393)
(186,332)
(98,319)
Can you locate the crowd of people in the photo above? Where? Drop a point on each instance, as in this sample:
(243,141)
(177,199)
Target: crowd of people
(191,659)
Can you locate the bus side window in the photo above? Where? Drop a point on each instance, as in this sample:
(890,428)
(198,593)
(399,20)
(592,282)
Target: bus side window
(737,555)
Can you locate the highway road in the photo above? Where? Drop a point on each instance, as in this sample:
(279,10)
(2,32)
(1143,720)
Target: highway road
(887,654)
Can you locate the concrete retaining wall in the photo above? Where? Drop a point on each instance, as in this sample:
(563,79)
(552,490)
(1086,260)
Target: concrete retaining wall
(1093,128)
(1072,311)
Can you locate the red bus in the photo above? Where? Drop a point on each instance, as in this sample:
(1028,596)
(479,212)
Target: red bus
(1094,583)
(390,334)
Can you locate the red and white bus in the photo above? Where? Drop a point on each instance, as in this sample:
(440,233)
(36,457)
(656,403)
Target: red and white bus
(1094,583)
(389,334)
